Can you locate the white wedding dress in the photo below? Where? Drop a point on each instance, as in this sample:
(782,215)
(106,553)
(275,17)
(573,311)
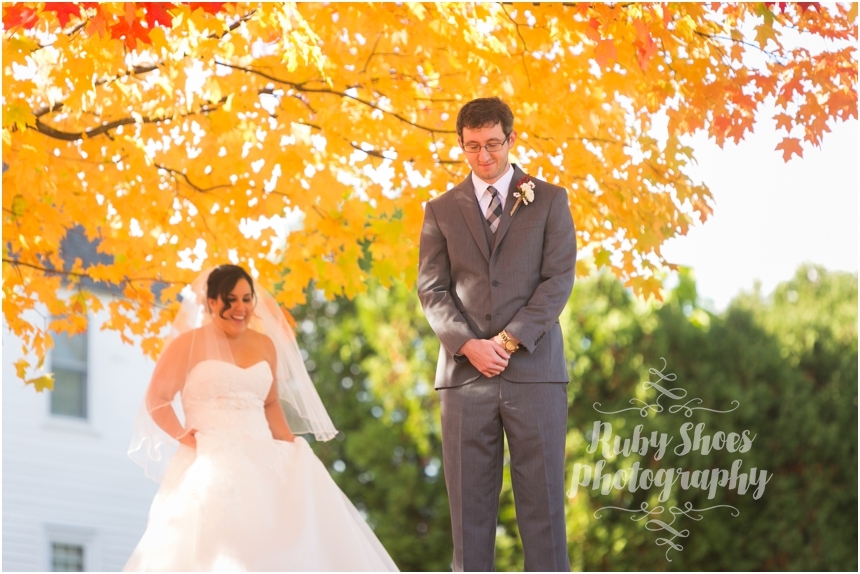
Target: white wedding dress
(245,501)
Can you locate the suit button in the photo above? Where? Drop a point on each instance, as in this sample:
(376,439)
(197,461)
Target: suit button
(488,317)
(495,283)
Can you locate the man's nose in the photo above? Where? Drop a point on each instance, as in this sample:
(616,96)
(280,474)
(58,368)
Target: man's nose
(484,154)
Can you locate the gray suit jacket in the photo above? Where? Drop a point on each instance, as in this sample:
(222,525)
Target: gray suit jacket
(469,289)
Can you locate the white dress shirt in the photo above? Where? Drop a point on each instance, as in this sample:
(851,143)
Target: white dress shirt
(501,185)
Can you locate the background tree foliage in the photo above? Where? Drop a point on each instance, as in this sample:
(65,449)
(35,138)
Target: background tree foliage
(174,133)
(789,360)
(799,399)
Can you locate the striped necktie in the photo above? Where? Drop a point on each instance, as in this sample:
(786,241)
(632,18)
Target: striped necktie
(494,210)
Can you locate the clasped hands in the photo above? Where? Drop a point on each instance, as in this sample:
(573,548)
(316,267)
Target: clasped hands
(487,355)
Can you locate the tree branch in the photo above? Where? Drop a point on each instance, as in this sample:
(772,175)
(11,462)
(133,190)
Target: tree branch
(196,187)
(371,152)
(133,72)
(372,54)
(303,88)
(581,139)
(523,40)
(103,129)
(15,263)
(775,57)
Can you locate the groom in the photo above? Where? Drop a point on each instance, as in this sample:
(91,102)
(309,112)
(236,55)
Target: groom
(495,271)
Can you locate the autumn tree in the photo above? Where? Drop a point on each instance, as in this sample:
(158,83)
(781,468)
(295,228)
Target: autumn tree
(301,140)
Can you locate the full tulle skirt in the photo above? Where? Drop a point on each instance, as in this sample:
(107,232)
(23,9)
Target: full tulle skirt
(254,505)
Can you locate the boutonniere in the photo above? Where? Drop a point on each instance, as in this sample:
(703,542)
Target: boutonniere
(526,193)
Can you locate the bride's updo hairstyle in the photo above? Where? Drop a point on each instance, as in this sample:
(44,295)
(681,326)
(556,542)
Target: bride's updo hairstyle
(223,280)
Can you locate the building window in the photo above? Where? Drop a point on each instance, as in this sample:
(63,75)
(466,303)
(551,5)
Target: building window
(69,364)
(67,557)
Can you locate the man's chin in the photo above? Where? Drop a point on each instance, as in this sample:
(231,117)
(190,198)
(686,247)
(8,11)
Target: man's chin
(490,173)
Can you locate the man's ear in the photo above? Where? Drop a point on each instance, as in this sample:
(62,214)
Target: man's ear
(512,138)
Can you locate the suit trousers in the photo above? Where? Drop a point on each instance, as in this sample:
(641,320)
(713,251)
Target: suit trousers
(533,417)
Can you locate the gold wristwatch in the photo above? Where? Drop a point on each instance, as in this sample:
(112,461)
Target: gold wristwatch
(508,343)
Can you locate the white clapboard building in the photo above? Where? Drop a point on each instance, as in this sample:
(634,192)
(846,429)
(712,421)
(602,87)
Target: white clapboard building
(72,499)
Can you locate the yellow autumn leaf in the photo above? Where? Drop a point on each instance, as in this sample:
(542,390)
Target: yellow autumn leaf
(21,368)
(43,383)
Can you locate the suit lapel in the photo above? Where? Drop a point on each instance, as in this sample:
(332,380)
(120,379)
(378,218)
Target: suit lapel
(465,194)
(505,224)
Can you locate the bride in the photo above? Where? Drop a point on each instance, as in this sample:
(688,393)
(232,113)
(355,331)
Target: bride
(241,492)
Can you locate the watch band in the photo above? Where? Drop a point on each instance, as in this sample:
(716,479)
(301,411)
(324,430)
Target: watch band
(509,344)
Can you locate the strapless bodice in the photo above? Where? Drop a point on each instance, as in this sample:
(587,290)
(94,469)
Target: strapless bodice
(225,399)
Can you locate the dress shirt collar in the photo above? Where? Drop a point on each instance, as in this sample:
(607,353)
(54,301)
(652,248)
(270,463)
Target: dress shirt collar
(502,185)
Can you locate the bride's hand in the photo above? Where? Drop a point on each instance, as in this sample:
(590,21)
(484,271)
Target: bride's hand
(189,439)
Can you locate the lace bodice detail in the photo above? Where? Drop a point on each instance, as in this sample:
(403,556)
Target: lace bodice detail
(224,399)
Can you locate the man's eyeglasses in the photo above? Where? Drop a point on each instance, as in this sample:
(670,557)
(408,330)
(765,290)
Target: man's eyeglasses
(490,147)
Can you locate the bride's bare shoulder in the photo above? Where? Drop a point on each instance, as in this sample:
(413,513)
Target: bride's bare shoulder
(182,342)
(263,341)
(187,338)
(260,338)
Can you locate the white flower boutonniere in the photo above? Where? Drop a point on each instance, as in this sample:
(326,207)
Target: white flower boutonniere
(526,193)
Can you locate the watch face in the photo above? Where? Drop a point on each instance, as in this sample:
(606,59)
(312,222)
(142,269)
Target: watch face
(510,346)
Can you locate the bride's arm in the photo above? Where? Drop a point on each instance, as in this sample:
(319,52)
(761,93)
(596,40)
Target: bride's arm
(274,413)
(165,417)
(167,380)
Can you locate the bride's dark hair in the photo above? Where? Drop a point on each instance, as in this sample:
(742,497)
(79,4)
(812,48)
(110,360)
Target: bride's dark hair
(222,280)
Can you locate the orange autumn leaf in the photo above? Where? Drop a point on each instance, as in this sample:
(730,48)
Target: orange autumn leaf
(605,53)
(790,147)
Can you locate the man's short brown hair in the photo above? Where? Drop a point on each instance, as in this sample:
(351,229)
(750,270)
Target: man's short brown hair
(485,112)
